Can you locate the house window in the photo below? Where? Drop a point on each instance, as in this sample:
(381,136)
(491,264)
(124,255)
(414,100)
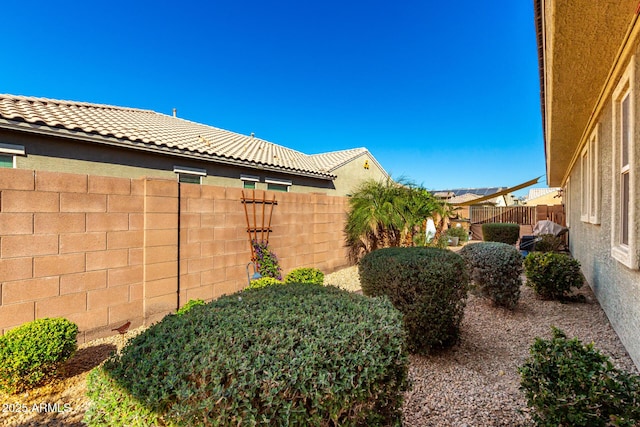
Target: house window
(594,178)
(189,175)
(249,181)
(6,161)
(590,185)
(8,154)
(584,184)
(623,235)
(278,184)
(566,198)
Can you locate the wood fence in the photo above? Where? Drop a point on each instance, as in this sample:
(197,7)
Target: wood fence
(523,215)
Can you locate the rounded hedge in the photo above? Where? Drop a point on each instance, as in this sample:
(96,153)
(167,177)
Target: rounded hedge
(503,232)
(34,352)
(495,268)
(281,355)
(428,285)
(305,275)
(552,275)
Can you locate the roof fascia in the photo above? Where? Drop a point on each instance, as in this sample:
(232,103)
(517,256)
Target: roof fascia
(152,148)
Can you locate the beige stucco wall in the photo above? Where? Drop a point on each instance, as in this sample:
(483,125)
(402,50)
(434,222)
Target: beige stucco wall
(548,200)
(351,174)
(616,286)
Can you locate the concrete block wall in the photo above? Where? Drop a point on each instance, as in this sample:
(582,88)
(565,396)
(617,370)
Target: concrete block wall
(70,246)
(101,251)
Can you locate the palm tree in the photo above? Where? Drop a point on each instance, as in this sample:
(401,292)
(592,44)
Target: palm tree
(386,213)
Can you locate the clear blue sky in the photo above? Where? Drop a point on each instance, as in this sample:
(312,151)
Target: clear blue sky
(443,93)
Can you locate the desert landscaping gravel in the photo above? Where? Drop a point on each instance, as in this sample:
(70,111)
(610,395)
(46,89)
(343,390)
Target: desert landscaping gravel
(476,383)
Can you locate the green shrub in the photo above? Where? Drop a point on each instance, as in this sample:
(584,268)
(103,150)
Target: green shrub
(279,355)
(548,243)
(264,282)
(503,232)
(552,275)
(459,232)
(428,285)
(189,305)
(569,384)
(34,352)
(495,268)
(305,275)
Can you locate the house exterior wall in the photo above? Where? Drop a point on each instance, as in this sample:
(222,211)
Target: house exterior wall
(103,250)
(354,172)
(64,155)
(548,199)
(616,286)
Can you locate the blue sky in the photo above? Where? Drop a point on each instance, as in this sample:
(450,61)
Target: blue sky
(443,93)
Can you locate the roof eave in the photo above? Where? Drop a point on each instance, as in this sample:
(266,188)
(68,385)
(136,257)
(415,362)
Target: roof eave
(152,148)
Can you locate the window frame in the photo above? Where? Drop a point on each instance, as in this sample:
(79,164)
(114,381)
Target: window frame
(594,176)
(567,202)
(584,184)
(623,251)
(12,150)
(184,171)
(286,183)
(249,179)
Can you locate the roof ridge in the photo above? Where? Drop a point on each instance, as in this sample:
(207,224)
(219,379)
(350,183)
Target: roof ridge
(61,102)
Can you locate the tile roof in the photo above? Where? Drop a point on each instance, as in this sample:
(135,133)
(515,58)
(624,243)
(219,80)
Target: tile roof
(534,193)
(329,162)
(137,128)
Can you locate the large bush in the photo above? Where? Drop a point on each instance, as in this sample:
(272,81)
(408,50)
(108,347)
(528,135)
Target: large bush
(305,275)
(281,355)
(569,384)
(428,285)
(495,269)
(34,352)
(503,232)
(552,275)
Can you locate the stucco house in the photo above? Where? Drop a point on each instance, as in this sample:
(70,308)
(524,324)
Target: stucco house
(543,196)
(589,57)
(67,136)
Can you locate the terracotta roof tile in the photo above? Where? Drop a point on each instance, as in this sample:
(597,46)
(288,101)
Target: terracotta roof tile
(135,126)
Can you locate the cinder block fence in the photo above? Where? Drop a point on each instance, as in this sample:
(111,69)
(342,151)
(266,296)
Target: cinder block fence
(101,251)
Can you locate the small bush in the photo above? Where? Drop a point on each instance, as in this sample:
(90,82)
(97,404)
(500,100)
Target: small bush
(281,355)
(189,305)
(495,268)
(548,243)
(305,275)
(569,384)
(428,285)
(502,232)
(552,275)
(459,232)
(34,352)
(264,282)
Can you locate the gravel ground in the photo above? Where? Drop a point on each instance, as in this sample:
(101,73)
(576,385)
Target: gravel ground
(477,383)
(473,384)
